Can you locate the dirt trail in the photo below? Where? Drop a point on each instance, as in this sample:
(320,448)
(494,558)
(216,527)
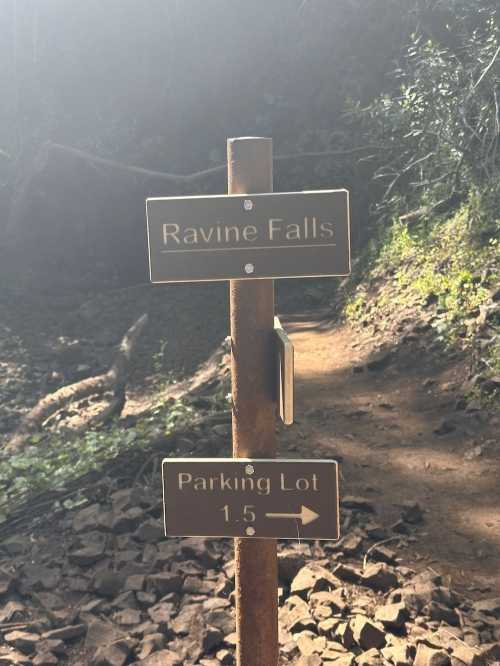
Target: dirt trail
(381,425)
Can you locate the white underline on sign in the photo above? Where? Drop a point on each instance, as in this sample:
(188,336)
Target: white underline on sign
(251,247)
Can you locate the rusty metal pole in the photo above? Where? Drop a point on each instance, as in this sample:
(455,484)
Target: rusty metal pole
(250,170)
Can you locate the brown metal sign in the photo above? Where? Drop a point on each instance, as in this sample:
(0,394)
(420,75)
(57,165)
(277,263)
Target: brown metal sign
(292,234)
(227,497)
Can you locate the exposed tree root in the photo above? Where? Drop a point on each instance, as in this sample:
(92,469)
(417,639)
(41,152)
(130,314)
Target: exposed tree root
(114,380)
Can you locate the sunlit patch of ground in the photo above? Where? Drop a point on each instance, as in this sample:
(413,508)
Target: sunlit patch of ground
(381,424)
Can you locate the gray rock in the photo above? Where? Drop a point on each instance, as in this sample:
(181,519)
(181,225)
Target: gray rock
(358,504)
(91,517)
(198,549)
(50,601)
(35,577)
(466,656)
(101,633)
(401,654)
(188,568)
(490,652)
(295,616)
(195,585)
(348,573)
(17,544)
(12,657)
(290,561)
(128,617)
(440,613)
(216,603)
(309,644)
(392,616)
(223,620)
(367,634)
(162,658)
(327,627)
(370,657)
(322,613)
(127,498)
(427,656)
(164,583)
(488,607)
(333,650)
(150,531)
(225,657)
(334,599)
(146,599)
(161,613)
(347,659)
(54,646)
(344,634)
(135,583)
(115,654)
(312,578)
(88,555)
(151,643)
(108,583)
(45,659)
(383,554)
(350,544)
(143,629)
(122,601)
(23,640)
(415,597)
(224,588)
(187,618)
(379,576)
(13,611)
(127,521)
(211,639)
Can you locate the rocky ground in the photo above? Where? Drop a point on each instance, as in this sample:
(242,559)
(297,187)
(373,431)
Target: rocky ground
(87,577)
(100,585)
(49,341)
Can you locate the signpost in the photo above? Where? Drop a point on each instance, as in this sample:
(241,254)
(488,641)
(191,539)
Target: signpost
(249,237)
(223,497)
(237,237)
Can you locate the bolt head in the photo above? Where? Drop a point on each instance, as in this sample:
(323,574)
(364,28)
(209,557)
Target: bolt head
(249,269)
(248,204)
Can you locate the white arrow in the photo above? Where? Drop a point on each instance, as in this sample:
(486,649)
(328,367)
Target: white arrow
(306,515)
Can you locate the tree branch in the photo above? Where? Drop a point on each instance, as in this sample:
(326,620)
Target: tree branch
(115,379)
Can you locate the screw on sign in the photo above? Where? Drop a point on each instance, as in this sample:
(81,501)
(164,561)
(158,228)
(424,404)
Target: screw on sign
(251,236)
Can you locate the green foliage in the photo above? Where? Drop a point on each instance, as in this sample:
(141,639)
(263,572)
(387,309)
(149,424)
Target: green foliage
(453,263)
(439,133)
(159,358)
(51,461)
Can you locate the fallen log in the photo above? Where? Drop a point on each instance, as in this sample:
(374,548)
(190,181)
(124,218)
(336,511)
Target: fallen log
(115,379)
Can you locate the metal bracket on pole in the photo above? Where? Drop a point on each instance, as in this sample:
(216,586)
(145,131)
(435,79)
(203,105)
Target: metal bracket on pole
(284,373)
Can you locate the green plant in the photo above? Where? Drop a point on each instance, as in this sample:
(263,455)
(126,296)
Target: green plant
(158,357)
(50,461)
(439,131)
(451,262)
